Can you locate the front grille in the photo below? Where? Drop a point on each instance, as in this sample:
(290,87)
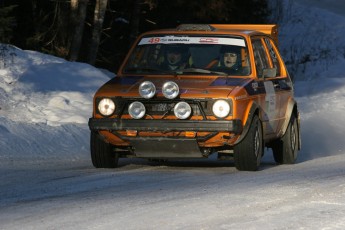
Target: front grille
(168,108)
(165,107)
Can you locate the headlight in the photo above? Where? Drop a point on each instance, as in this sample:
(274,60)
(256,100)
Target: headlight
(170,90)
(182,110)
(136,110)
(147,89)
(106,106)
(221,108)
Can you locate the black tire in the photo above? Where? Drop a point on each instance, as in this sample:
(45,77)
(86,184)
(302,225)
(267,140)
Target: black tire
(286,148)
(248,153)
(102,153)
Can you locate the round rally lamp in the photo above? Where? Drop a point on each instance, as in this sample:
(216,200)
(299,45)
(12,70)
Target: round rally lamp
(136,110)
(182,110)
(106,106)
(170,90)
(221,108)
(147,89)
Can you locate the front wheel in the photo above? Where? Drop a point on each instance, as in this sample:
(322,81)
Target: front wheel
(102,153)
(248,153)
(285,149)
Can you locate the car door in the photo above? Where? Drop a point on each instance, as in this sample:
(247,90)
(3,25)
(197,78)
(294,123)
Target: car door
(269,99)
(282,82)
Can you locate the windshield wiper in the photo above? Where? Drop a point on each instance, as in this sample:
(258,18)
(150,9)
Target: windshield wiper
(138,70)
(197,70)
(174,72)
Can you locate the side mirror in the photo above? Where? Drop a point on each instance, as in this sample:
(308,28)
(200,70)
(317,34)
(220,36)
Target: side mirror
(269,72)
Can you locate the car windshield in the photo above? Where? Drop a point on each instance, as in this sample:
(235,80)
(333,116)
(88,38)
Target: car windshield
(189,55)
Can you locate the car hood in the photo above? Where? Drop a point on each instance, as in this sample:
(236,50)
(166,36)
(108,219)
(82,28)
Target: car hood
(190,87)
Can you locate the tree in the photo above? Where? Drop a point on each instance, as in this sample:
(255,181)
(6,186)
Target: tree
(97,30)
(135,20)
(136,16)
(78,15)
(6,23)
(59,27)
(42,26)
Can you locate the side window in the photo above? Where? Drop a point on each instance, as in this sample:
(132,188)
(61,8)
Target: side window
(273,55)
(260,56)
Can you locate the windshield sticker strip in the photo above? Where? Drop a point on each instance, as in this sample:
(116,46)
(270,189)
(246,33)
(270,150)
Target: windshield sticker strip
(192,40)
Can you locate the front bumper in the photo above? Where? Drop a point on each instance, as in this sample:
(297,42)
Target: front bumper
(166,147)
(110,124)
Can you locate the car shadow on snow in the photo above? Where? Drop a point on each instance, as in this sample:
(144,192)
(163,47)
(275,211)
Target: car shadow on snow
(189,164)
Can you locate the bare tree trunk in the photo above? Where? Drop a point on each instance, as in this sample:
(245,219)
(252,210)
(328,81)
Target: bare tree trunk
(135,21)
(78,14)
(74,12)
(100,8)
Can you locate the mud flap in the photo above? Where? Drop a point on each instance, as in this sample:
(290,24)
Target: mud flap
(166,148)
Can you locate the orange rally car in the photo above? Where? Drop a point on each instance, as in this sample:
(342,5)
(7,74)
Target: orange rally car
(195,90)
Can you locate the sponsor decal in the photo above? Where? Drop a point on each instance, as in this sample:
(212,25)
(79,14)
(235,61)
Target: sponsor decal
(192,40)
(255,86)
(209,40)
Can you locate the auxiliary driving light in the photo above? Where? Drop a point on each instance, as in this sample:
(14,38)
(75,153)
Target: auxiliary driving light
(147,89)
(182,110)
(136,110)
(170,90)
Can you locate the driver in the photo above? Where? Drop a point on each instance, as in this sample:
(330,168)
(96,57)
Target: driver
(175,57)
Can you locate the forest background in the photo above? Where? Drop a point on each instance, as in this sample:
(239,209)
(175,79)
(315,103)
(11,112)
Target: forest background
(100,32)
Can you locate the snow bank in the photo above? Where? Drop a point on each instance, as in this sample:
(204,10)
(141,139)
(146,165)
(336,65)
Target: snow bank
(311,39)
(39,88)
(45,103)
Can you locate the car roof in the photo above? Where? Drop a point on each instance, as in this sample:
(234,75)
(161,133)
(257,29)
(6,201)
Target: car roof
(221,29)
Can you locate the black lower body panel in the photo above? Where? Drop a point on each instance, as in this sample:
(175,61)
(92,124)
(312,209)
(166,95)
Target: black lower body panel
(166,148)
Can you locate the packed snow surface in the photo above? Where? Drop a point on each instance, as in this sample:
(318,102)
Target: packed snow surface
(47,180)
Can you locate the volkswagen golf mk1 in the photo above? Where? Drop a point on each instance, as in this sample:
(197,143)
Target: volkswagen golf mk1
(198,90)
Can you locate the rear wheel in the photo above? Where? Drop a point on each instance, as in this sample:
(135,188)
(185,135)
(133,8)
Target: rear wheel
(102,153)
(248,153)
(285,149)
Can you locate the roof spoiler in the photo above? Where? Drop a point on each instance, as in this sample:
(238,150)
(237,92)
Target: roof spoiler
(195,27)
(270,29)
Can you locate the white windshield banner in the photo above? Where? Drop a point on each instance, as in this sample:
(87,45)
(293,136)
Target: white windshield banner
(192,40)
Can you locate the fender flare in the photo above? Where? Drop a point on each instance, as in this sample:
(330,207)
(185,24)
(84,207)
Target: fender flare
(292,109)
(251,111)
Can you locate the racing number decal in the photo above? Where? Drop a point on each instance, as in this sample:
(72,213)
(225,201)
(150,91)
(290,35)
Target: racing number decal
(154,40)
(270,99)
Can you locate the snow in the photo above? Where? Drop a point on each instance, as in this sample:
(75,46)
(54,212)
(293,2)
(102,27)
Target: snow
(47,180)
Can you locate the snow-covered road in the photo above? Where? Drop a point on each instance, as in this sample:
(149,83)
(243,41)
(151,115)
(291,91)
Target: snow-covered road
(177,195)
